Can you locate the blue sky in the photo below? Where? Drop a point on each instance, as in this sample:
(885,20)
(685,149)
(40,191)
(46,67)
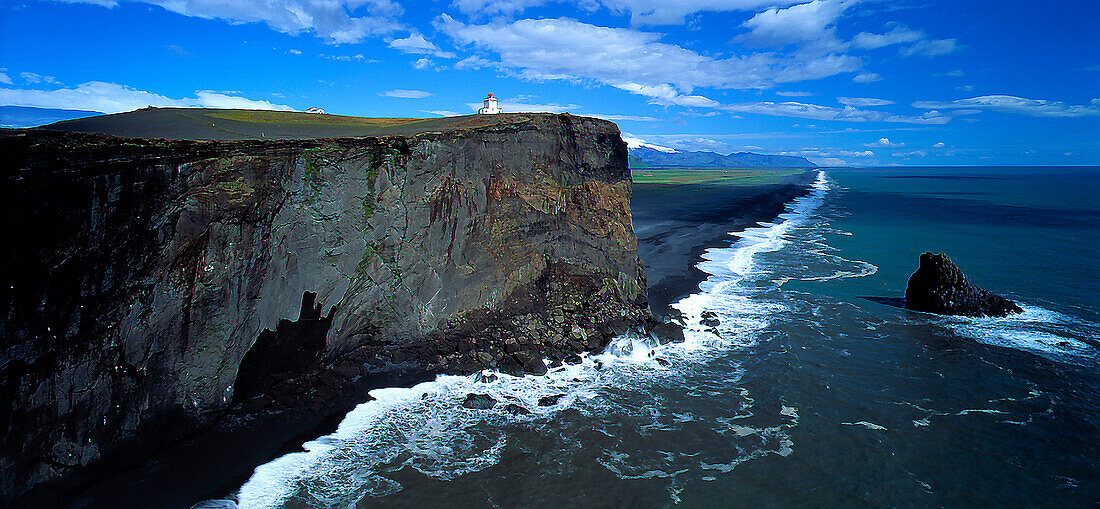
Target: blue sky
(842,82)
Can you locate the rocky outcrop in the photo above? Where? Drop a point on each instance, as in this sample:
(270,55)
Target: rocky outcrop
(150,285)
(938,286)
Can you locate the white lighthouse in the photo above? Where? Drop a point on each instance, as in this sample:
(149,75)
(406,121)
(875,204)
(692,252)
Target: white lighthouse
(490,107)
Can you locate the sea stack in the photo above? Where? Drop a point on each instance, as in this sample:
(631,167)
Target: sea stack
(938,286)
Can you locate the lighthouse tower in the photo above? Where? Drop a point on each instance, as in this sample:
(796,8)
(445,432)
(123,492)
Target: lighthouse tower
(490,107)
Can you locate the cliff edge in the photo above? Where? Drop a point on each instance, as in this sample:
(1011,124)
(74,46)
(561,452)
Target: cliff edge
(152,284)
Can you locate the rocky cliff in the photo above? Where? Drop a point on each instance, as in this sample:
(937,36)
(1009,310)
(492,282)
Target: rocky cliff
(150,285)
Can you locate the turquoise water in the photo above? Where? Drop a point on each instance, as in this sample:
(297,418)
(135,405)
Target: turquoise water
(807,393)
(1033,233)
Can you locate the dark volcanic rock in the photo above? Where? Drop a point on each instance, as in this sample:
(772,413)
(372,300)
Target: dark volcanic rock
(550,400)
(710,319)
(515,409)
(938,286)
(151,285)
(479,401)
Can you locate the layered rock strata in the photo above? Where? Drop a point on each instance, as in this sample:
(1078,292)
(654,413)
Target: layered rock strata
(150,285)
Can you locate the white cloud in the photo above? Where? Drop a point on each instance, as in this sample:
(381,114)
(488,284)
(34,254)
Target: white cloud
(898,35)
(940,145)
(329,19)
(867,77)
(516,106)
(634,142)
(425,63)
(416,43)
(914,153)
(794,94)
(931,48)
(294,52)
(863,102)
(491,7)
(665,95)
(115,98)
(1018,105)
(884,142)
(565,49)
(955,74)
(665,12)
(406,94)
(5,80)
(101,3)
(642,12)
(444,113)
(817,112)
(808,23)
(358,57)
(34,78)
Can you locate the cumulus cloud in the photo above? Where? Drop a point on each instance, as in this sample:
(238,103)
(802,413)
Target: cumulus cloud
(416,43)
(665,95)
(5,79)
(329,19)
(863,102)
(884,142)
(940,145)
(794,94)
(565,49)
(425,63)
(406,94)
(115,98)
(811,23)
(1017,105)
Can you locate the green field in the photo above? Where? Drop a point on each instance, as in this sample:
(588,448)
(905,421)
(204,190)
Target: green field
(228,124)
(713,176)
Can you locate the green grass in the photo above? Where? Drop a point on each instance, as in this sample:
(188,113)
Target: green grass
(712,176)
(307,119)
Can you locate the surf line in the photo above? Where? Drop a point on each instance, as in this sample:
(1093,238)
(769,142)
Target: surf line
(425,427)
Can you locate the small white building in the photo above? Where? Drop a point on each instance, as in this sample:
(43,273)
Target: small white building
(490,107)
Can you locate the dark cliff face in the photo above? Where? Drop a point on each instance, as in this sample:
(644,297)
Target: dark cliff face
(938,286)
(149,284)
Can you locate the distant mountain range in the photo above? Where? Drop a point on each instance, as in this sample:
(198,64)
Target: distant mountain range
(26,116)
(645,157)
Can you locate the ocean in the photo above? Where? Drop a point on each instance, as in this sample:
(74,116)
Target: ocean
(811,390)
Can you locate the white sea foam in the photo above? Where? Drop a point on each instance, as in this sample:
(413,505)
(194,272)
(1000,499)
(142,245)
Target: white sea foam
(425,427)
(1042,331)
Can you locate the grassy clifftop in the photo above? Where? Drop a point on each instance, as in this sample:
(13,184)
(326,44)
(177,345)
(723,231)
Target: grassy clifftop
(225,124)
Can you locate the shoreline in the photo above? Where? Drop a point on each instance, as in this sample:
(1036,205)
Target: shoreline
(221,458)
(676,224)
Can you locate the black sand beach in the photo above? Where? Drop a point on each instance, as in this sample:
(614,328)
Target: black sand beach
(676,223)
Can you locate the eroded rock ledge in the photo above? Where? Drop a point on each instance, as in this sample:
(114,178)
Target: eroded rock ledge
(152,285)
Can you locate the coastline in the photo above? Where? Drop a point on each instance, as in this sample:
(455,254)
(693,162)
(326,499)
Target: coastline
(220,459)
(675,224)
